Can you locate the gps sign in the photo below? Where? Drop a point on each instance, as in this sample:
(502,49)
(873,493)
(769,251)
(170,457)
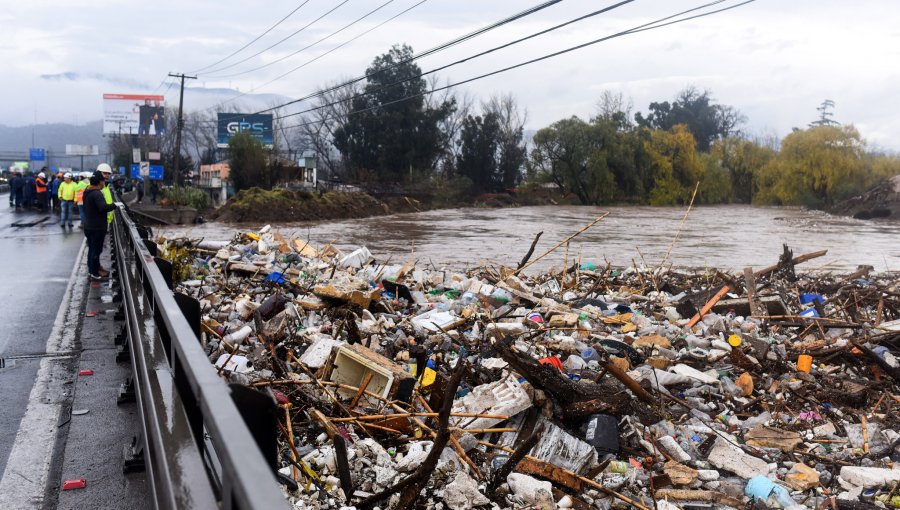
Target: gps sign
(230,124)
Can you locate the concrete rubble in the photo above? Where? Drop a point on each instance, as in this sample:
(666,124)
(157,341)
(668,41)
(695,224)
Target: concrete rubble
(401,385)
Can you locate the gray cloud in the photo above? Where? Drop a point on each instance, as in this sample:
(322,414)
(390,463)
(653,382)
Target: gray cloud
(113,80)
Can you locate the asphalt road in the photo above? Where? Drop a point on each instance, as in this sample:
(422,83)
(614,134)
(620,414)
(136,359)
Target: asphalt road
(35,264)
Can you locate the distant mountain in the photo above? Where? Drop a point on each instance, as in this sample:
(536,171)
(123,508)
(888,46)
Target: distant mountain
(198,98)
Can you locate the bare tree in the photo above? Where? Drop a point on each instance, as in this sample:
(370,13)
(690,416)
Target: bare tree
(315,129)
(451,126)
(614,107)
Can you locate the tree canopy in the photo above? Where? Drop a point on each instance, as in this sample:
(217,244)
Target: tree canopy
(391,131)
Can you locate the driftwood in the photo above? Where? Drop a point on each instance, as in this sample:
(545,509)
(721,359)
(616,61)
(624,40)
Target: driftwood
(530,250)
(566,393)
(500,476)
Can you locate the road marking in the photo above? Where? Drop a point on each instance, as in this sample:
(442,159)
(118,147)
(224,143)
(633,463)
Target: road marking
(24,481)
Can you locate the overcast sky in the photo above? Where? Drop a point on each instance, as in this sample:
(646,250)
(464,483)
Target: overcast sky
(775,60)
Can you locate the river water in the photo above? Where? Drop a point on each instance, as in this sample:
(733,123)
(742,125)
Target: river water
(723,237)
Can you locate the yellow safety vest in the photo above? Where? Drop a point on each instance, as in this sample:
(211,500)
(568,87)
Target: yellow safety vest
(107,194)
(67,191)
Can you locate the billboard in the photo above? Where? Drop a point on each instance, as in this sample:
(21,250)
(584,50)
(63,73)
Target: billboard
(257,124)
(135,114)
(82,150)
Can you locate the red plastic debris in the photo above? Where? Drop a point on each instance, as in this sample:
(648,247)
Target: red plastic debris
(74,484)
(281,398)
(86,372)
(553,361)
(90,314)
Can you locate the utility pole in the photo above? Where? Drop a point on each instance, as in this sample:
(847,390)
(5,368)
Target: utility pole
(180,125)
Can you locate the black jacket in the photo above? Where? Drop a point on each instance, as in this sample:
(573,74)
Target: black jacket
(95,209)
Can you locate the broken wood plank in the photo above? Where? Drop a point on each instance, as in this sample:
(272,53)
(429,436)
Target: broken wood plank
(330,428)
(708,306)
(750,285)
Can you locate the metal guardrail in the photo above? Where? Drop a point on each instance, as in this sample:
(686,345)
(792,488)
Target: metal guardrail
(198,450)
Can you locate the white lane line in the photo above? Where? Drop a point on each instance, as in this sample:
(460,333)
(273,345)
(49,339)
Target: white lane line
(24,482)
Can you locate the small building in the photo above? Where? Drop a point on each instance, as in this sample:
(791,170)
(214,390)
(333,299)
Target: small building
(214,179)
(307,170)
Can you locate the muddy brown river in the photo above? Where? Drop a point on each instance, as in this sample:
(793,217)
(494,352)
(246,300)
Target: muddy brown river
(724,237)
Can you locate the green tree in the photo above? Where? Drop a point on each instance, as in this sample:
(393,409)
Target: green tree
(742,159)
(479,145)
(675,164)
(825,115)
(816,167)
(248,162)
(695,109)
(393,132)
(569,153)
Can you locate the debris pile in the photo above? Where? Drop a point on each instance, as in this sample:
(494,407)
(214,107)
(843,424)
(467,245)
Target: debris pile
(403,386)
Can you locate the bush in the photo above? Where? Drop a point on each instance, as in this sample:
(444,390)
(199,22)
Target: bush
(191,197)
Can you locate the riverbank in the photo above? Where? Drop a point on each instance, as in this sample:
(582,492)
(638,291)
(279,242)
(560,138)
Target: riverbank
(256,205)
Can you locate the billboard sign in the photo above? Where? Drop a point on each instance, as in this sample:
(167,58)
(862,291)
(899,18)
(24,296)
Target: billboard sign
(258,124)
(82,150)
(134,114)
(36,154)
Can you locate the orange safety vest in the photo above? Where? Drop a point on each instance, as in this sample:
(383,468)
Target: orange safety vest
(40,185)
(79,195)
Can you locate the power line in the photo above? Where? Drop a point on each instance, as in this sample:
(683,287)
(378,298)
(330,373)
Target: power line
(311,23)
(242,94)
(466,59)
(357,20)
(659,23)
(242,48)
(436,49)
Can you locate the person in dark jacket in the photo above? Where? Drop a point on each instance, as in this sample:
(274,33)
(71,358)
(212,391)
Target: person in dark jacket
(18,187)
(28,191)
(95,209)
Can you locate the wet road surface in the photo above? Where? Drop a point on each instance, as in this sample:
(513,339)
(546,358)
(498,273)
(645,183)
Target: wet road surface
(35,265)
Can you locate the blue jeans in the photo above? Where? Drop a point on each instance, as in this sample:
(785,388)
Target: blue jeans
(81,213)
(65,215)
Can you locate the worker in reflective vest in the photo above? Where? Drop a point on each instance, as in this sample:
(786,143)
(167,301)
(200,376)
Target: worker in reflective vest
(40,188)
(79,197)
(106,170)
(66,194)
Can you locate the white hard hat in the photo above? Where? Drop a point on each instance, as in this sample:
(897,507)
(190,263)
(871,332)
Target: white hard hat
(42,176)
(104,168)
(68,175)
(86,175)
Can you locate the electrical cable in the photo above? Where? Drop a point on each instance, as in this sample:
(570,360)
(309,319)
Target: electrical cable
(311,23)
(242,48)
(431,51)
(659,23)
(472,57)
(289,55)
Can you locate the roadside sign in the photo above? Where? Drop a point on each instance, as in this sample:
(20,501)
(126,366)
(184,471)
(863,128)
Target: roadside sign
(153,156)
(135,171)
(82,150)
(145,168)
(122,170)
(37,154)
(136,155)
(156,172)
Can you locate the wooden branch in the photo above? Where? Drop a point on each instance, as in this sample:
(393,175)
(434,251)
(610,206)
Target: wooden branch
(530,250)
(500,476)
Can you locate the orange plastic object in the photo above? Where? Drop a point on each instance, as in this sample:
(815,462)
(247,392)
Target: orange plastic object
(804,363)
